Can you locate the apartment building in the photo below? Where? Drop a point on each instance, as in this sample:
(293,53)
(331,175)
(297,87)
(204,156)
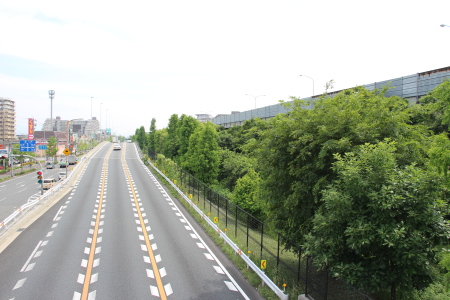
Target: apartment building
(89,128)
(7,120)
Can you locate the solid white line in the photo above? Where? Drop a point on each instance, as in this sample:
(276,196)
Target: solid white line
(54,219)
(235,284)
(31,256)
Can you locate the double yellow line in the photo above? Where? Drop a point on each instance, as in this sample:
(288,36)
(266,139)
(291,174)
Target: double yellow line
(87,278)
(161,290)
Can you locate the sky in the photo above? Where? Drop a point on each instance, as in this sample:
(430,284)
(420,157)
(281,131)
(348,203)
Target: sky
(126,62)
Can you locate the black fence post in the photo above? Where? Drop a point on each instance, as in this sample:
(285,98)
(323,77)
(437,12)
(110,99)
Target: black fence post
(248,224)
(299,264)
(306,276)
(226,213)
(278,250)
(218,206)
(262,236)
(236,221)
(189,184)
(210,202)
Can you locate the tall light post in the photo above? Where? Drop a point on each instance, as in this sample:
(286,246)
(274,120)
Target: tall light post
(312,82)
(109,125)
(68,142)
(101,132)
(91,107)
(106,121)
(51,94)
(92,132)
(255,99)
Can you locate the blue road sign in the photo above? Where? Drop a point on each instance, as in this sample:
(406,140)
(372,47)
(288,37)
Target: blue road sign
(42,147)
(28,145)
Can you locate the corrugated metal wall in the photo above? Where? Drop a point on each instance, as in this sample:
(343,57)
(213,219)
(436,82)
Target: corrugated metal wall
(411,87)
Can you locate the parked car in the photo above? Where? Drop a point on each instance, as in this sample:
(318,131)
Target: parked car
(48,183)
(62,175)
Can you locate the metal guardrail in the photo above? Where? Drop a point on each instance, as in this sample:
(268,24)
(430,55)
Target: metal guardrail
(34,200)
(279,292)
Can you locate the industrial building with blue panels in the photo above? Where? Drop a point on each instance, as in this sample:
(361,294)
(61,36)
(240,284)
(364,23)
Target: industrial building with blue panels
(410,87)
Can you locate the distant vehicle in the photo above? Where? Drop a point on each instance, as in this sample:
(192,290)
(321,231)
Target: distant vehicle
(115,139)
(62,175)
(50,165)
(48,183)
(62,164)
(117,147)
(72,159)
(128,141)
(13,160)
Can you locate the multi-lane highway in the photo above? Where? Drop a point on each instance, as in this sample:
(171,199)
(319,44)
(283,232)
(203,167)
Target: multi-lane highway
(117,235)
(16,191)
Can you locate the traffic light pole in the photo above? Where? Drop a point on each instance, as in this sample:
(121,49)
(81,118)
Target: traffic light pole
(41,180)
(40,170)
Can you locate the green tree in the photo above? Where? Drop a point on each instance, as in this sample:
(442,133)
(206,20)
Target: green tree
(297,152)
(142,138)
(439,152)
(52,147)
(246,194)
(151,135)
(171,143)
(186,128)
(379,222)
(202,157)
(433,110)
(232,167)
(160,140)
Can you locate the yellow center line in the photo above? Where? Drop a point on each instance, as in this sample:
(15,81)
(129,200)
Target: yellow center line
(162,292)
(89,267)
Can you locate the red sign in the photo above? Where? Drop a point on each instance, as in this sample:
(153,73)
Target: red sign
(30,128)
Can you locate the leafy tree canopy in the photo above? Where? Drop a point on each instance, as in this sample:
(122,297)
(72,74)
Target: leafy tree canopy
(297,152)
(379,221)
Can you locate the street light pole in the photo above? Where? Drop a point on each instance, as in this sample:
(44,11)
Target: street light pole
(101,132)
(254,97)
(312,82)
(91,132)
(51,94)
(68,141)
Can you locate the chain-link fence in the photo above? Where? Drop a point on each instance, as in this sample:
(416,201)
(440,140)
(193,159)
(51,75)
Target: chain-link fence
(285,267)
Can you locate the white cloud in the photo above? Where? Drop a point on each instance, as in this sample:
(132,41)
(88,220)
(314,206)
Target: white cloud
(145,59)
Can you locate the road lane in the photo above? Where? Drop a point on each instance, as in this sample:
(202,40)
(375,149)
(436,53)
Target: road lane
(118,235)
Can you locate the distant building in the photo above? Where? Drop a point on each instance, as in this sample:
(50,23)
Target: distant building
(204,117)
(7,120)
(42,138)
(88,128)
(410,87)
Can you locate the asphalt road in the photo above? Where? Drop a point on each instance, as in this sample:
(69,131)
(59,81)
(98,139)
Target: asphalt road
(17,190)
(117,235)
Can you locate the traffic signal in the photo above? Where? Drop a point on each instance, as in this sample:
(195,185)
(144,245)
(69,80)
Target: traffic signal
(39,176)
